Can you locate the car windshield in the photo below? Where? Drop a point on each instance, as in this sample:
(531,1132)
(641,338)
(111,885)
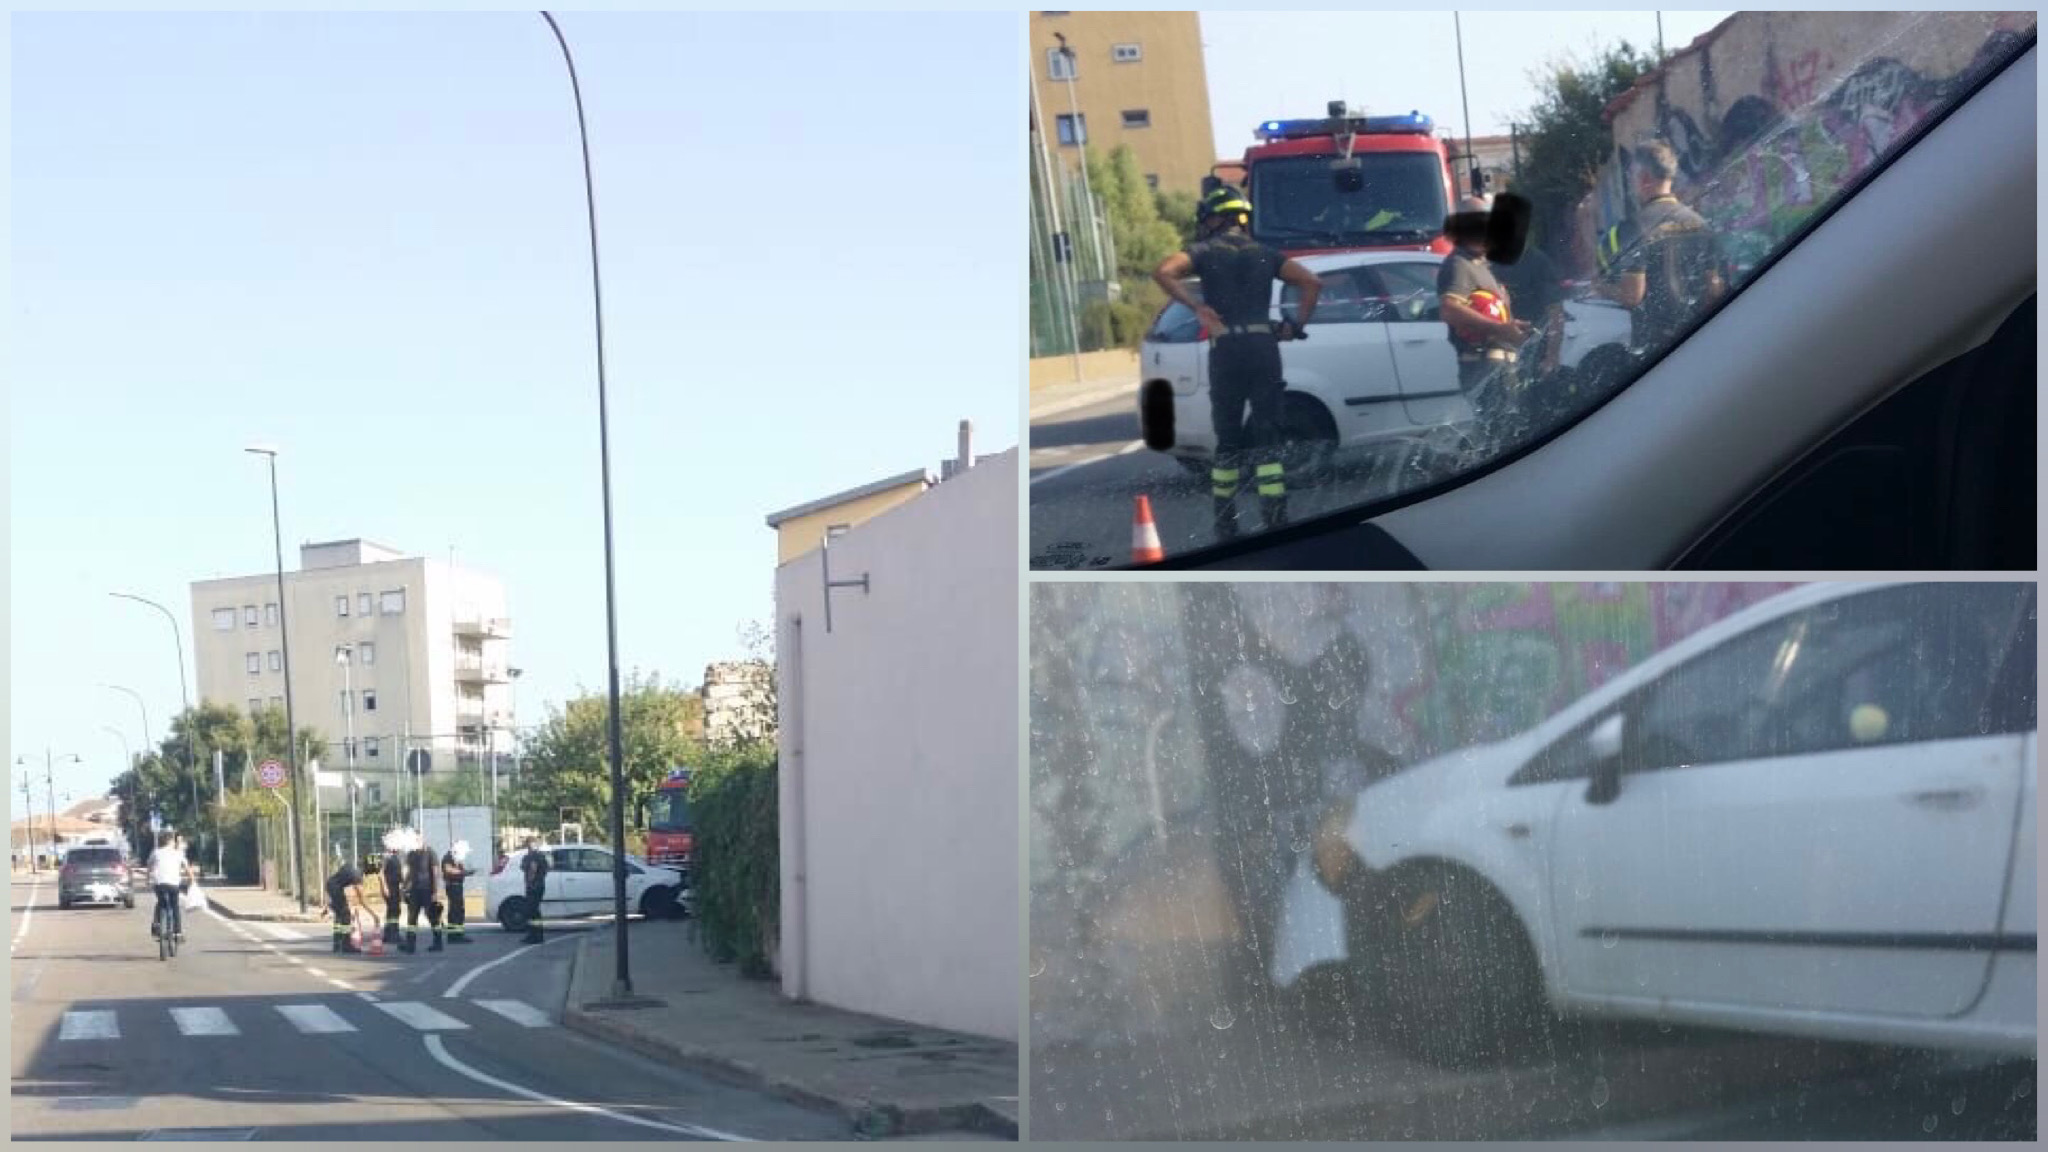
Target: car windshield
(1386,196)
(670,811)
(92,857)
(1512,861)
(1667,159)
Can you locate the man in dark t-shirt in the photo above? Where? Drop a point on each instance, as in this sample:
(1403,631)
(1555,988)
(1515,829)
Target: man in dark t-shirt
(345,878)
(1664,263)
(1474,302)
(1237,274)
(1533,286)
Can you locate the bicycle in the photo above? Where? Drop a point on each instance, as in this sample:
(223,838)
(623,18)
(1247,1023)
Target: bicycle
(163,925)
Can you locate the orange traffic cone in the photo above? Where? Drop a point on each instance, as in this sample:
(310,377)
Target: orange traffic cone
(1145,547)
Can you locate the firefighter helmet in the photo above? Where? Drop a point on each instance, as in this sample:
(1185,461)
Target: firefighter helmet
(1220,199)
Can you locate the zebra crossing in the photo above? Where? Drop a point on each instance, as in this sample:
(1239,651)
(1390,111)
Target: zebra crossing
(204,1021)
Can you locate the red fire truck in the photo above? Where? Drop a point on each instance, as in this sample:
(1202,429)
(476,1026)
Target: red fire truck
(1346,183)
(670,833)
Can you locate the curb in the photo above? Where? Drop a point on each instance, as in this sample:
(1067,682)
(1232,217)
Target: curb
(265,917)
(870,1118)
(1087,399)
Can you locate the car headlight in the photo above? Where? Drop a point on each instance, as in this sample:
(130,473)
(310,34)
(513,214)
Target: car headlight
(1334,858)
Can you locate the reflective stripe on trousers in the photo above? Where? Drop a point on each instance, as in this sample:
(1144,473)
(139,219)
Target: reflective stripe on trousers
(1271,482)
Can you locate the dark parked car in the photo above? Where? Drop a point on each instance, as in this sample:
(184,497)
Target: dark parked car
(94,875)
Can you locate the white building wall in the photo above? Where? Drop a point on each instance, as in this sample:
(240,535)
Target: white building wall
(899,763)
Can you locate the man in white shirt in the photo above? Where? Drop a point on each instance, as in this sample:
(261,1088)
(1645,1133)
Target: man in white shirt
(168,870)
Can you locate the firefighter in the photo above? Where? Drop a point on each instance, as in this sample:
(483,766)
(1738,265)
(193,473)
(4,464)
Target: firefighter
(533,867)
(1663,264)
(454,871)
(345,878)
(1475,305)
(394,881)
(1237,274)
(422,893)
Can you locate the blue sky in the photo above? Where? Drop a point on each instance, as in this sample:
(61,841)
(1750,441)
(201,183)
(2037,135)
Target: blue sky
(361,238)
(1266,65)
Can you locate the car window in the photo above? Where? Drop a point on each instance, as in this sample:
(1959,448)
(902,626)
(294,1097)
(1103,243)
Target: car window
(1410,287)
(93,856)
(1348,296)
(1764,123)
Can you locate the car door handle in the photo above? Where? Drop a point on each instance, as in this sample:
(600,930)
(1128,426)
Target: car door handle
(1415,340)
(1947,799)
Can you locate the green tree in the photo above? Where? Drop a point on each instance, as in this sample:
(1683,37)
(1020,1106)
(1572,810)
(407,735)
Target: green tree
(567,763)
(1177,207)
(1142,238)
(738,871)
(1568,138)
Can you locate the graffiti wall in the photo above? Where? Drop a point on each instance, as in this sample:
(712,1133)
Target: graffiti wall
(1774,113)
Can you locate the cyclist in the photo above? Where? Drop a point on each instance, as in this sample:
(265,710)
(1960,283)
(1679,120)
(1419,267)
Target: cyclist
(169,874)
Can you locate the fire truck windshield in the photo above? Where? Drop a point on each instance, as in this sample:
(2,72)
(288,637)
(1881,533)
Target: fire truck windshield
(1299,201)
(670,811)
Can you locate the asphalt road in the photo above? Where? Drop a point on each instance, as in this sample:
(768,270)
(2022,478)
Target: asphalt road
(1088,466)
(261,1029)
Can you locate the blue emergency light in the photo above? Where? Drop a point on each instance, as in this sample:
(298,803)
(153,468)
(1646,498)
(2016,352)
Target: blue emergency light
(1414,123)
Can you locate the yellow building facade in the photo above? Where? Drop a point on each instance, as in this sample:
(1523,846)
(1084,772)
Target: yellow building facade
(1137,79)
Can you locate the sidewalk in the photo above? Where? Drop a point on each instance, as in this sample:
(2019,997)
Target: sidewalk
(886,1077)
(248,902)
(1053,399)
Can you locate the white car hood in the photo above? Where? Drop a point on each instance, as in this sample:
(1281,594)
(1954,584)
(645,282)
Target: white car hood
(1395,818)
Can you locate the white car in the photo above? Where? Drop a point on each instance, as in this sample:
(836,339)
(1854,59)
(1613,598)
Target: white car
(579,883)
(1815,817)
(1377,364)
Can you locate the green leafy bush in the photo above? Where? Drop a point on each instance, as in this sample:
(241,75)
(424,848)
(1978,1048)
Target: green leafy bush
(737,871)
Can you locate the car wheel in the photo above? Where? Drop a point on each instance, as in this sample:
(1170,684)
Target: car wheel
(63,902)
(1456,980)
(1309,441)
(657,903)
(514,915)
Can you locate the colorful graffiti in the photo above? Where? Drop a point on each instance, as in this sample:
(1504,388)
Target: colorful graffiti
(1780,155)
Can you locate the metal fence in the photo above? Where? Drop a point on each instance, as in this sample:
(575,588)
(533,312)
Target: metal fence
(1073,258)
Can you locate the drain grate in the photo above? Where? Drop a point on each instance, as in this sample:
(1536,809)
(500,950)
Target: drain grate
(200,1134)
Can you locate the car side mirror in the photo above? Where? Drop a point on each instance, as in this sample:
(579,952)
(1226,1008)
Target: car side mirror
(1605,743)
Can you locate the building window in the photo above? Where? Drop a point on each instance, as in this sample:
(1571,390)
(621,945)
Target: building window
(370,747)
(1059,64)
(255,706)
(366,652)
(341,605)
(376,791)
(363,604)
(253,662)
(277,702)
(369,699)
(1137,117)
(392,603)
(1068,137)
(1126,53)
(249,615)
(1152,181)
(276,661)
(270,615)
(223,619)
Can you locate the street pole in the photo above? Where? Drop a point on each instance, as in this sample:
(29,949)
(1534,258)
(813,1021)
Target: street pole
(1471,161)
(1081,146)
(346,657)
(1061,268)
(28,825)
(220,788)
(622,981)
(284,643)
(185,698)
(50,796)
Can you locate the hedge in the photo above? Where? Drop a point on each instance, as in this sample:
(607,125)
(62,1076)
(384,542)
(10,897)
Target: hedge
(737,866)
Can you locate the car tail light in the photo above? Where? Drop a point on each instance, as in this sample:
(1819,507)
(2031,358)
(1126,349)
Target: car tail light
(1202,334)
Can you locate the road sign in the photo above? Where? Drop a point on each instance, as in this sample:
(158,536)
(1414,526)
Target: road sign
(270,774)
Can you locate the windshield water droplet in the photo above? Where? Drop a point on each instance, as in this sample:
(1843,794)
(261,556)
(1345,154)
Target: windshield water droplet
(1038,968)
(1958,1104)
(1600,1092)
(1929,1124)
(1222,1018)
(1608,939)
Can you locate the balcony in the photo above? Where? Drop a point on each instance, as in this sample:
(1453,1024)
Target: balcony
(475,670)
(482,627)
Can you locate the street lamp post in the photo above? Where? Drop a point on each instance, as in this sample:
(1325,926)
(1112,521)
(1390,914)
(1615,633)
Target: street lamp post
(622,981)
(50,762)
(345,656)
(284,643)
(1081,148)
(185,698)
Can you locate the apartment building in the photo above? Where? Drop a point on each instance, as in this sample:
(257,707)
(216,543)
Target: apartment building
(1137,78)
(415,651)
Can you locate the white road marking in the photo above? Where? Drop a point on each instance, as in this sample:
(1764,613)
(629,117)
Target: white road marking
(314,1018)
(95,1024)
(518,1011)
(1042,478)
(344,985)
(316,971)
(439,1052)
(370,997)
(456,988)
(420,1016)
(27,914)
(278,931)
(204,1022)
